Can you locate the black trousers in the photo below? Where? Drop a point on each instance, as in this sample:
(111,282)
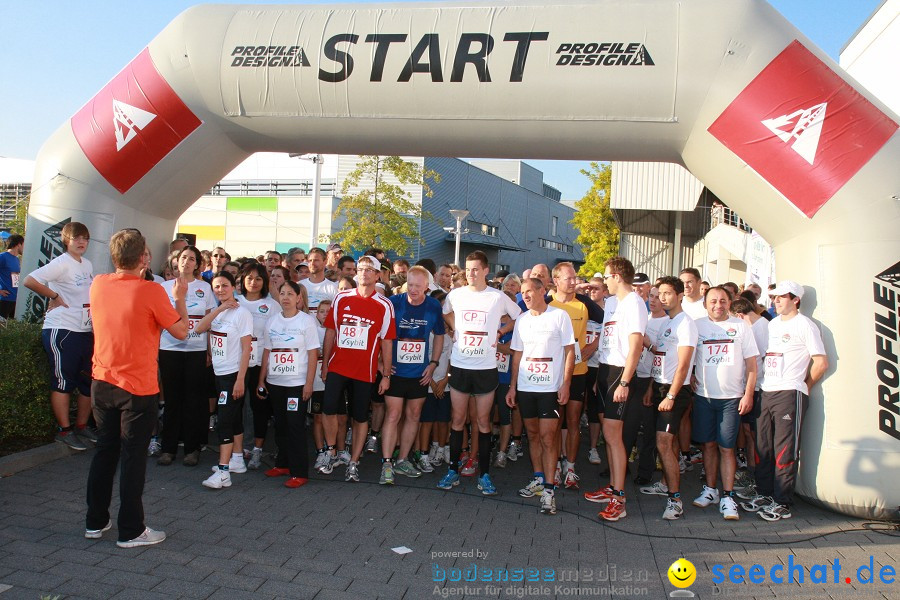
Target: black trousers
(124,425)
(229,409)
(290,428)
(187,409)
(637,415)
(778,443)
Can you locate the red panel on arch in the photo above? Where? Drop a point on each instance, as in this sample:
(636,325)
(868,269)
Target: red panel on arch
(132,123)
(803,128)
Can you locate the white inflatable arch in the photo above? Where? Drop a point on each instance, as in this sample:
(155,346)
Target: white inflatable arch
(729,89)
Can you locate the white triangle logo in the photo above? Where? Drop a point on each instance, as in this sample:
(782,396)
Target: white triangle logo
(127,120)
(804,126)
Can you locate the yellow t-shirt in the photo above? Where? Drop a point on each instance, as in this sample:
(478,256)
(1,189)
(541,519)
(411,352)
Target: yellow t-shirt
(578,314)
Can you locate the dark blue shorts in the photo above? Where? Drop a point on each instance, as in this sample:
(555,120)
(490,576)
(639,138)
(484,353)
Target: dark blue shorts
(70,354)
(716,420)
(436,410)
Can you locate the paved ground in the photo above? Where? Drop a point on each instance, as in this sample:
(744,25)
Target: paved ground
(333,540)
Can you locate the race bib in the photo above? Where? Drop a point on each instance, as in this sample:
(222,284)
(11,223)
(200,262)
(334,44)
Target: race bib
(718,352)
(354,337)
(15,280)
(223,397)
(577,352)
(193,322)
(254,351)
(773,365)
(293,404)
(539,372)
(284,361)
(502,362)
(411,352)
(658,364)
(86,320)
(218,345)
(609,335)
(473,343)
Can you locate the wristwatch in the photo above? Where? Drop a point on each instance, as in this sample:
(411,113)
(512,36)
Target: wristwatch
(624,383)
(670,397)
(434,362)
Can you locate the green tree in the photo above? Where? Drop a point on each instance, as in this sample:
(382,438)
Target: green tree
(382,213)
(597,231)
(17,223)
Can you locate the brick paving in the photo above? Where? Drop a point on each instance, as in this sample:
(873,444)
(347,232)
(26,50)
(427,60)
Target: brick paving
(332,540)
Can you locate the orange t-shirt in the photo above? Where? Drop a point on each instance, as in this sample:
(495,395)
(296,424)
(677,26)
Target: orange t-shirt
(128,314)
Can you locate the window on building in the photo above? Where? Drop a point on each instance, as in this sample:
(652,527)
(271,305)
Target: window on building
(558,246)
(483,228)
(553,223)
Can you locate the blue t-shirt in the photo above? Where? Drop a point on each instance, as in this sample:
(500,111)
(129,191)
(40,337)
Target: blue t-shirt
(9,264)
(411,349)
(505,376)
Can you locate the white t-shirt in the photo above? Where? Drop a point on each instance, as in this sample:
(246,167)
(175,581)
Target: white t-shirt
(630,317)
(609,308)
(761,335)
(225,339)
(719,360)
(593,332)
(261,310)
(791,345)
(289,341)
(542,340)
(695,310)
(199,301)
(324,290)
(72,281)
(679,332)
(476,318)
(654,324)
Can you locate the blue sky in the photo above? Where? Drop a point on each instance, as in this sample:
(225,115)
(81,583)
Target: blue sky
(58,54)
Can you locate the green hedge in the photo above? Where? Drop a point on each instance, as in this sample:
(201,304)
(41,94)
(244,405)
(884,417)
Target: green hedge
(25,412)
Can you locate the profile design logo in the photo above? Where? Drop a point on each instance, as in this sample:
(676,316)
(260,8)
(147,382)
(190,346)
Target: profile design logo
(682,575)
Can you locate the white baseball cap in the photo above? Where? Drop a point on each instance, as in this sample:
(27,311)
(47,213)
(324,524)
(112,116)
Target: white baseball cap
(375,262)
(787,287)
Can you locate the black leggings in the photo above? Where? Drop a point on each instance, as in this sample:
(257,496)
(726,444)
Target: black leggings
(290,428)
(262,409)
(184,391)
(229,409)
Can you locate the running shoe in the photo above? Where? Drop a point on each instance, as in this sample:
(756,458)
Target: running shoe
(674,510)
(557,477)
(218,480)
(423,464)
(155,447)
(235,465)
(469,468)
(600,496)
(342,458)
(757,503)
(707,496)
(255,458)
(323,463)
(486,485)
(514,451)
(571,479)
(728,508)
(746,493)
(534,488)
(449,480)
(500,459)
(696,455)
(404,467)
(165,459)
(387,474)
(614,511)
(433,450)
(741,458)
(352,473)
(148,538)
(548,503)
(775,512)
(657,489)
(372,444)
(594,457)
(71,440)
(94,534)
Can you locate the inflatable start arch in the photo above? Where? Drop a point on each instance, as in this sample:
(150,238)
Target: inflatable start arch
(728,89)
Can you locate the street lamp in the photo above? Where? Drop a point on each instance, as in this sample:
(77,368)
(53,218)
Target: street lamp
(317,159)
(458,214)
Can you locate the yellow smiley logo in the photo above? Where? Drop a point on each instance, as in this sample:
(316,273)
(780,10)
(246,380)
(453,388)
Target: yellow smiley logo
(682,573)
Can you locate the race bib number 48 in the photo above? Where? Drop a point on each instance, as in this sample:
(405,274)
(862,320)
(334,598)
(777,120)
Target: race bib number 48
(354,337)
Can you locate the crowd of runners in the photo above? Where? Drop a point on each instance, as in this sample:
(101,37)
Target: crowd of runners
(455,371)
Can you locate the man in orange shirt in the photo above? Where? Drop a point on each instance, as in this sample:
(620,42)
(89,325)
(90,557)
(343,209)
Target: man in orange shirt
(128,313)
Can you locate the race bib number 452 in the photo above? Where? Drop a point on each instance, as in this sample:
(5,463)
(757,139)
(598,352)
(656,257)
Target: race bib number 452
(539,371)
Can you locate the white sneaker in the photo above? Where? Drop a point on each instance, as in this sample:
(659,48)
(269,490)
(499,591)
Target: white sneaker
(447,455)
(728,508)
(255,459)
(433,450)
(594,457)
(218,480)
(94,534)
(707,496)
(656,489)
(674,510)
(148,538)
(235,465)
(342,458)
(500,459)
(323,463)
